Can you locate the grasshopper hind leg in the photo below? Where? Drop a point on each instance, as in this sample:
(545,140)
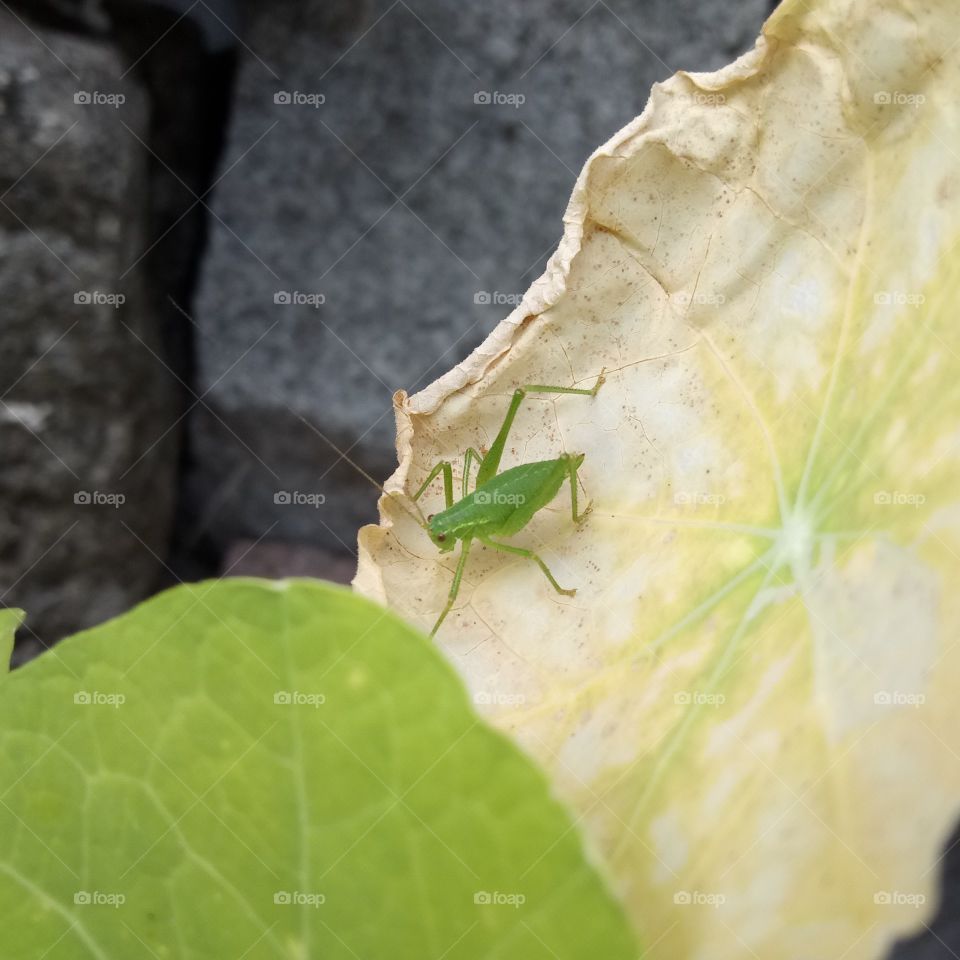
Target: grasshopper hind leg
(536,558)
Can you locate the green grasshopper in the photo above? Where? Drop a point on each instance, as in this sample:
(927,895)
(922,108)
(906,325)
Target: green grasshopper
(501,504)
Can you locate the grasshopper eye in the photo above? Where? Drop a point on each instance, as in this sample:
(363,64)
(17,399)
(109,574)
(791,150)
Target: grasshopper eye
(441,537)
(429,517)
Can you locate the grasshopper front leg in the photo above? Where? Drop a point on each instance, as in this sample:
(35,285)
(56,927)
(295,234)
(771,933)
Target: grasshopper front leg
(455,586)
(446,469)
(468,457)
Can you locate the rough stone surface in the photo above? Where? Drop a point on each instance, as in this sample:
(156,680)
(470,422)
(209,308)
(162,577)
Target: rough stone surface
(82,399)
(403,203)
(276,560)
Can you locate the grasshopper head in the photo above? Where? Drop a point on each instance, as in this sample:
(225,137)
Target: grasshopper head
(441,537)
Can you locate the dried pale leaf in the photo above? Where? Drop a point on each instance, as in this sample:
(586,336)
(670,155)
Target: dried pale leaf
(751,701)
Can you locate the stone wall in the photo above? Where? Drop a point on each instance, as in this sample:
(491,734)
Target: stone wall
(396,182)
(88,476)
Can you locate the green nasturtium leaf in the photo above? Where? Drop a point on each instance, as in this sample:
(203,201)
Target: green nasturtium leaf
(262,771)
(752,699)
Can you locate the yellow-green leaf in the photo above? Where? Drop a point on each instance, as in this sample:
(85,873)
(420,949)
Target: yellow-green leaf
(276,771)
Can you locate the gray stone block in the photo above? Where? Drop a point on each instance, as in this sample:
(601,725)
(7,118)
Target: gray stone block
(83,401)
(414,177)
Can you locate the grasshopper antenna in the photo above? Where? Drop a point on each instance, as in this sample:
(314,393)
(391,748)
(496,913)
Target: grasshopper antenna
(343,455)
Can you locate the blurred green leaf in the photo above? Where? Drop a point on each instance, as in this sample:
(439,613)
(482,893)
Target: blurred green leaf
(276,770)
